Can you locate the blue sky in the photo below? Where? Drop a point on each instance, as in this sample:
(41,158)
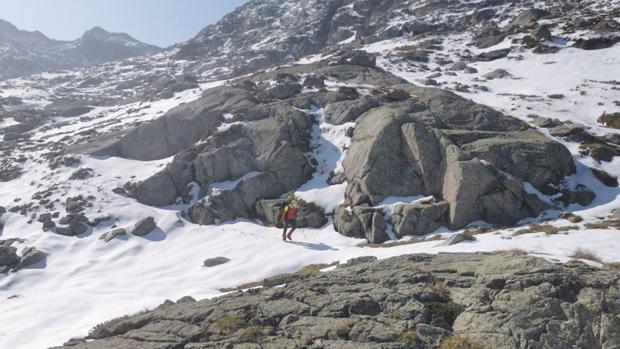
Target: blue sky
(159,22)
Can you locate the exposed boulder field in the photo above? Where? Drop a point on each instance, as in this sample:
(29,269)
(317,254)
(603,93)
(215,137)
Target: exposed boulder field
(503,300)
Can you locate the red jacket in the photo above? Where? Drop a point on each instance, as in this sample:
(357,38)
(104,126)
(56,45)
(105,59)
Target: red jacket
(289,213)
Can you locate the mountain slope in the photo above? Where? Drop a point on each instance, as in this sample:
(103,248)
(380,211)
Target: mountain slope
(25,53)
(491,112)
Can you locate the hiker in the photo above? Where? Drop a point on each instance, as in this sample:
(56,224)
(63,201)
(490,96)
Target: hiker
(289,220)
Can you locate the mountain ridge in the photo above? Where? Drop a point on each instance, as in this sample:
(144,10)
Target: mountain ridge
(30,52)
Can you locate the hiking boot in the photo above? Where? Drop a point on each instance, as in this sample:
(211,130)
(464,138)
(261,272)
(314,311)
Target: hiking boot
(284,238)
(290,238)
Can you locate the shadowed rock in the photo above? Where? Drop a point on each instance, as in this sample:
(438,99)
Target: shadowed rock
(143,227)
(30,256)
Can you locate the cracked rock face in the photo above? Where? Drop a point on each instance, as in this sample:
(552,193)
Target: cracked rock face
(504,300)
(406,141)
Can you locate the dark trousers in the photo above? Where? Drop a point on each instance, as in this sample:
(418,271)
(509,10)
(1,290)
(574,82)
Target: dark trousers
(290,223)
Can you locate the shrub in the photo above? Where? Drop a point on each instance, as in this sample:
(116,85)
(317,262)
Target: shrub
(408,337)
(228,324)
(343,328)
(448,311)
(613,265)
(117,326)
(581,253)
(441,289)
(457,341)
(251,333)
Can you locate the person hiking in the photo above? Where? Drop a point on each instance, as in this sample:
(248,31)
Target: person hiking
(289,220)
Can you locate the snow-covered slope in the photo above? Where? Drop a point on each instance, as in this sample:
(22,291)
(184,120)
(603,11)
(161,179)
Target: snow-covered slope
(84,280)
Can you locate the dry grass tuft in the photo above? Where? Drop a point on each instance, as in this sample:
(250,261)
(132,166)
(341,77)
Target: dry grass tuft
(315,268)
(242,287)
(606,224)
(441,289)
(544,228)
(613,265)
(448,311)
(343,328)
(250,334)
(589,255)
(408,337)
(517,251)
(228,324)
(458,341)
(117,326)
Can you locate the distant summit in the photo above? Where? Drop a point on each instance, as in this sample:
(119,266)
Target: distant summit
(29,52)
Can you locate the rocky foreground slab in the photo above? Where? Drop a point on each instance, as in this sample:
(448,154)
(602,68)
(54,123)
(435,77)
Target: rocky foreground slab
(500,300)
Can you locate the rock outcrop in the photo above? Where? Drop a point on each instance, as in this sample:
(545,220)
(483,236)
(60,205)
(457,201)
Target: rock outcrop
(249,142)
(503,301)
(473,158)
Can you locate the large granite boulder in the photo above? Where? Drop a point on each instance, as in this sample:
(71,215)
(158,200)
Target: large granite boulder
(419,219)
(477,160)
(361,222)
(157,190)
(238,202)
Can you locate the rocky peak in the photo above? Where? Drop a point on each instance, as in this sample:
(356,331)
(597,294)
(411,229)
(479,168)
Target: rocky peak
(33,40)
(98,34)
(6,27)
